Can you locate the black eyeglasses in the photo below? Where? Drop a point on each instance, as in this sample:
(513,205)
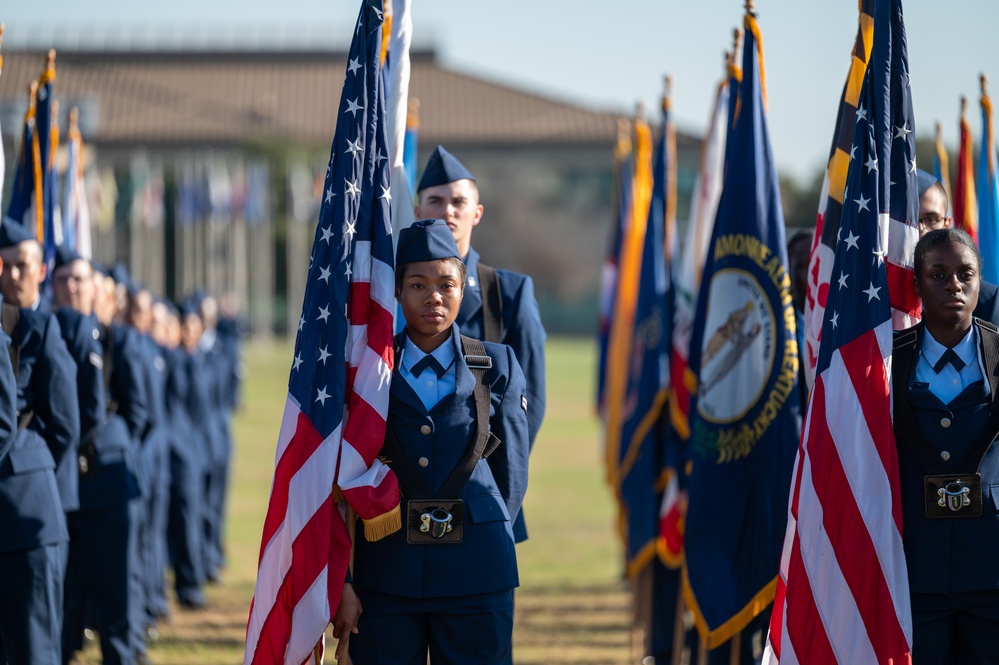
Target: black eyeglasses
(933,220)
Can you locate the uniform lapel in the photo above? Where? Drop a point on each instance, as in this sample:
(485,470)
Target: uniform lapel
(401,389)
(471,302)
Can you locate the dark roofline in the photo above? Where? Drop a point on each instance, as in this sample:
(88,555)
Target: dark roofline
(187,55)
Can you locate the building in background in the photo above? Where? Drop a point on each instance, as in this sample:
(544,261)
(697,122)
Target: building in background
(205,167)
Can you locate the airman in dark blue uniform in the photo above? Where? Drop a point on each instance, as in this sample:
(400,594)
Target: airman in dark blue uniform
(499,305)
(38,474)
(96,592)
(127,395)
(457,438)
(945,376)
(184,530)
(155,454)
(188,395)
(220,372)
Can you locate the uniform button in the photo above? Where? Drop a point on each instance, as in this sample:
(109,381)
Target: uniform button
(430,384)
(96,334)
(954,382)
(945,422)
(945,455)
(425,430)
(423,461)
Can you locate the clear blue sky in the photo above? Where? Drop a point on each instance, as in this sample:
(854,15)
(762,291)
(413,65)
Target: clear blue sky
(608,54)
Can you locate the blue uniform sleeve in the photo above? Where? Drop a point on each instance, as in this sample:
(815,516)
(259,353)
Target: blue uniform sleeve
(509,423)
(127,384)
(8,399)
(55,387)
(525,334)
(83,348)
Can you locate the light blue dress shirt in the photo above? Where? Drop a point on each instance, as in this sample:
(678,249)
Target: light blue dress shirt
(949,383)
(428,387)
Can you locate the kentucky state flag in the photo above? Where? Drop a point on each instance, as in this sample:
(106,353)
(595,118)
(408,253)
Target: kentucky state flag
(744,416)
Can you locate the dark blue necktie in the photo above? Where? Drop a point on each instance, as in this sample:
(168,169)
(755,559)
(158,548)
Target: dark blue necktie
(949,357)
(428,361)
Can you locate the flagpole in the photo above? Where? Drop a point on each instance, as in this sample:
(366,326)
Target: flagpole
(735,642)
(736,45)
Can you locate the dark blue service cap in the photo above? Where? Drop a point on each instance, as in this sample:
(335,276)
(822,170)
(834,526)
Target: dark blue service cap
(12,233)
(924,180)
(442,168)
(64,255)
(425,240)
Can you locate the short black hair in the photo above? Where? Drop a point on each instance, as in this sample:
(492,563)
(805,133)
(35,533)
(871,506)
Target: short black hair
(935,239)
(400,270)
(803,234)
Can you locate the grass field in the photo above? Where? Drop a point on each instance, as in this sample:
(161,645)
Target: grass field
(571,607)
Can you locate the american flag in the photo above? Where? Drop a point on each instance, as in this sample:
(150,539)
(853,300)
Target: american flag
(338,391)
(843,593)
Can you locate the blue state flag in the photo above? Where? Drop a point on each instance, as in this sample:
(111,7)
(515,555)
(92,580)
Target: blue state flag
(642,436)
(27,181)
(745,413)
(48,144)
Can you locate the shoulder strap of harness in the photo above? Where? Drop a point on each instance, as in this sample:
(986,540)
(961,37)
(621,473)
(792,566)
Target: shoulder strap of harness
(485,441)
(492,304)
(10,316)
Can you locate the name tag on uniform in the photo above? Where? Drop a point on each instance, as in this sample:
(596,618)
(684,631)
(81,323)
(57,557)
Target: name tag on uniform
(953,496)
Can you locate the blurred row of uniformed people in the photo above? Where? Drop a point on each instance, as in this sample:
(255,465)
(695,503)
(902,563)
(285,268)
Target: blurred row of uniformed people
(114,453)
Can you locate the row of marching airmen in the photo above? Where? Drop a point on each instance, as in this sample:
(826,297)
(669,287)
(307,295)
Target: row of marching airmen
(115,442)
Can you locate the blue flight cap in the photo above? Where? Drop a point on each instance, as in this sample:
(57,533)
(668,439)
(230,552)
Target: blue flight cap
(119,273)
(425,240)
(442,168)
(924,180)
(12,233)
(197,296)
(188,308)
(64,255)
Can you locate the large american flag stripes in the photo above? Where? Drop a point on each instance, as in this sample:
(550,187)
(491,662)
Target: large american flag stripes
(843,593)
(338,390)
